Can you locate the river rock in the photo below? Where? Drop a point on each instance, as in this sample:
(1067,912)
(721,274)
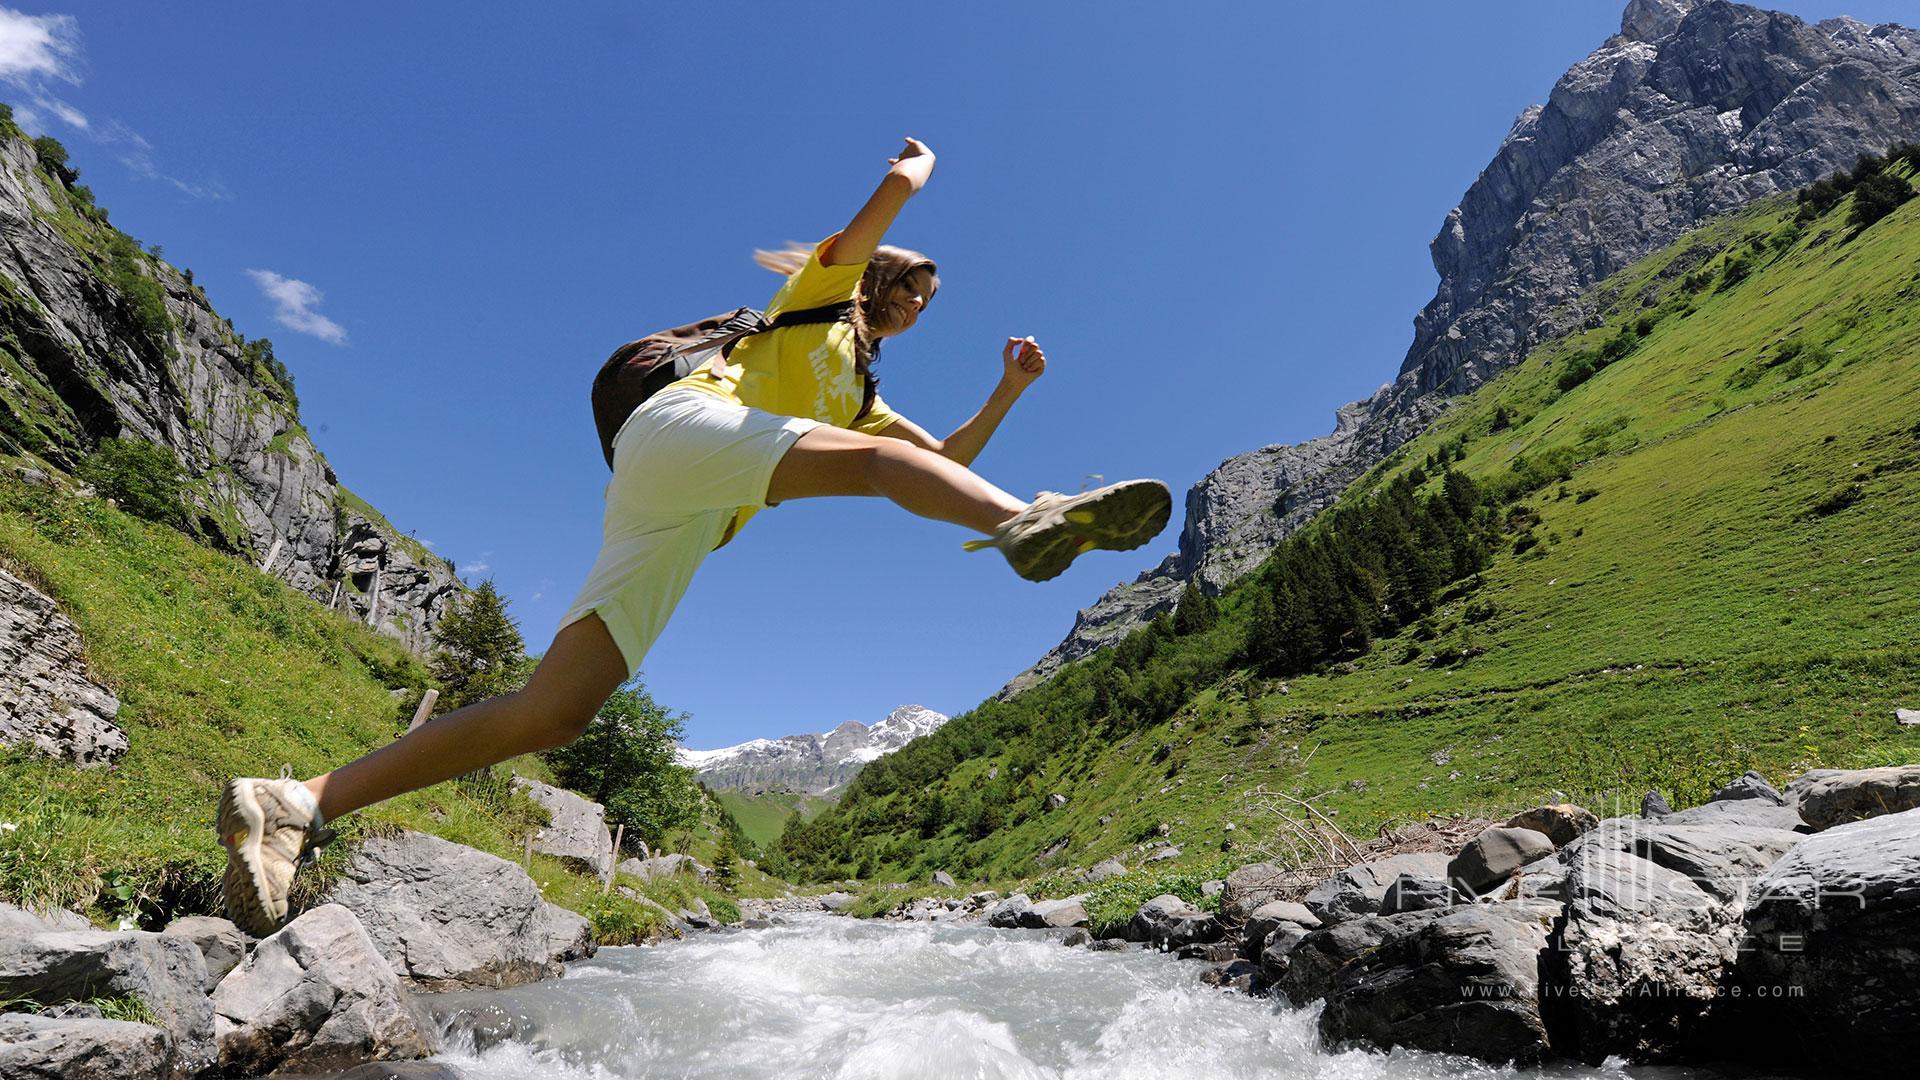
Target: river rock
(1101,871)
(1652,930)
(450,917)
(1830,797)
(1751,813)
(18,920)
(1494,856)
(1010,913)
(1654,805)
(578,832)
(1168,922)
(1270,917)
(222,945)
(1561,823)
(1058,913)
(1750,785)
(837,902)
(664,866)
(82,1049)
(47,703)
(1464,980)
(1254,886)
(1410,893)
(1832,927)
(942,879)
(1358,889)
(1303,970)
(164,971)
(317,995)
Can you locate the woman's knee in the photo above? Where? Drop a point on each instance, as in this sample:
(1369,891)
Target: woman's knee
(552,721)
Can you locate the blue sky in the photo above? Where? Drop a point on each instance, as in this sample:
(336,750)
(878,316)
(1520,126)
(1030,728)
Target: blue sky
(1214,217)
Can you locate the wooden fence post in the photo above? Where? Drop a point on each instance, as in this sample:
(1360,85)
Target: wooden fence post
(526,856)
(619,831)
(333,602)
(425,710)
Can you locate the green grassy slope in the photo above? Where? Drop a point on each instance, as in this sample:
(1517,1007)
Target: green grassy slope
(1713,571)
(762,816)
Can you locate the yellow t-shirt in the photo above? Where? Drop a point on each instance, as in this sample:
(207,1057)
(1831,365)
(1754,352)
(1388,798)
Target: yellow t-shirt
(798,370)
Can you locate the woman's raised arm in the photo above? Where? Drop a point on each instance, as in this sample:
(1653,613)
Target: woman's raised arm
(906,176)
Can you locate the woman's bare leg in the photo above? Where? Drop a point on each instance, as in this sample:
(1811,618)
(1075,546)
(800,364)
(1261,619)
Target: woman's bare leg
(835,461)
(578,673)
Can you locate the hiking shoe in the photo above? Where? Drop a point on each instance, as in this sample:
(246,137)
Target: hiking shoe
(1041,541)
(268,828)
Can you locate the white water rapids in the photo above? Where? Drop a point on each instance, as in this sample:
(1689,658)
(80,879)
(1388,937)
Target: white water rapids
(856,1000)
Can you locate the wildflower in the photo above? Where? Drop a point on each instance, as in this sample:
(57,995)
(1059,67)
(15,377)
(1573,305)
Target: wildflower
(7,826)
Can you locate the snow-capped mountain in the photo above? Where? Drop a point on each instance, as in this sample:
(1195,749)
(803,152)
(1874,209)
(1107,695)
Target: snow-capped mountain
(815,763)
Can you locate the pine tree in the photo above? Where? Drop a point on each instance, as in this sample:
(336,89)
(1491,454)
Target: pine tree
(481,654)
(1196,613)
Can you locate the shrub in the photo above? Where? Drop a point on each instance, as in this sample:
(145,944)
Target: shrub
(145,298)
(1579,369)
(53,158)
(1838,498)
(1737,269)
(1876,197)
(142,478)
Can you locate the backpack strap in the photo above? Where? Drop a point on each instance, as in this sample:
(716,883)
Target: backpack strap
(826,313)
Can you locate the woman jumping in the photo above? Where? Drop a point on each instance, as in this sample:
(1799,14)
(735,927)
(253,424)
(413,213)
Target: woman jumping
(791,413)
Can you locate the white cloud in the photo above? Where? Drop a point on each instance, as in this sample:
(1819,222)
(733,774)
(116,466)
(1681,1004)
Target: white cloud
(475,568)
(38,47)
(294,302)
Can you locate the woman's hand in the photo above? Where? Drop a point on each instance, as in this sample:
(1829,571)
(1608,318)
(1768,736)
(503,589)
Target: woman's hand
(1024,362)
(915,163)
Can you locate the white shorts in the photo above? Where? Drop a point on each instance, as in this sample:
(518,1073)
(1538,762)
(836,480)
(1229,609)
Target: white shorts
(683,464)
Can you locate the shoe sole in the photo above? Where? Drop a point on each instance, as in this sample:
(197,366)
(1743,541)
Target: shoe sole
(244,886)
(1117,518)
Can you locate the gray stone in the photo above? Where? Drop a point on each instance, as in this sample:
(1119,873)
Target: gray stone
(1269,917)
(1358,889)
(1168,922)
(1462,980)
(1654,805)
(1056,801)
(449,917)
(942,879)
(1561,823)
(1653,925)
(317,995)
(1750,785)
(46,701)
(1011,912)
(665,866)
(1212,887)
(1831,928)
(1237,975)
(165,972)
(1101,871)
(1303,969)
(1254,886)
(1411,893)
(75,1048)
(1075,936)
(837,901)
(577,833)
(18,920)
(1494,856)
(1752,813)
(1162,854)
(1059,913)
(1692,112)
(222,945)
(1830,797)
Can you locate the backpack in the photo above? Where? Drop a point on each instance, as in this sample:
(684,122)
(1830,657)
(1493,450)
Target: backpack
(645,366)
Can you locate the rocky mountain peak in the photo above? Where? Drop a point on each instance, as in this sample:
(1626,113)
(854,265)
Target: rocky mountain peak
(1694,109)
(814,763)
(1651,20)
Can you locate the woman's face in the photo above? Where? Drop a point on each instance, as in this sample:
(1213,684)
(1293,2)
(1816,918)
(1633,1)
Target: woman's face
(900,306)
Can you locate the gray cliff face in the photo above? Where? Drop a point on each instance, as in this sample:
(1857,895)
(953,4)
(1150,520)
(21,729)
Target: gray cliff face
(1694,109)
(76,369)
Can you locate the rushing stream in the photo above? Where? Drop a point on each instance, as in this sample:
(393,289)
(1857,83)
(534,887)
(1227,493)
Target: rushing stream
(834,997)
